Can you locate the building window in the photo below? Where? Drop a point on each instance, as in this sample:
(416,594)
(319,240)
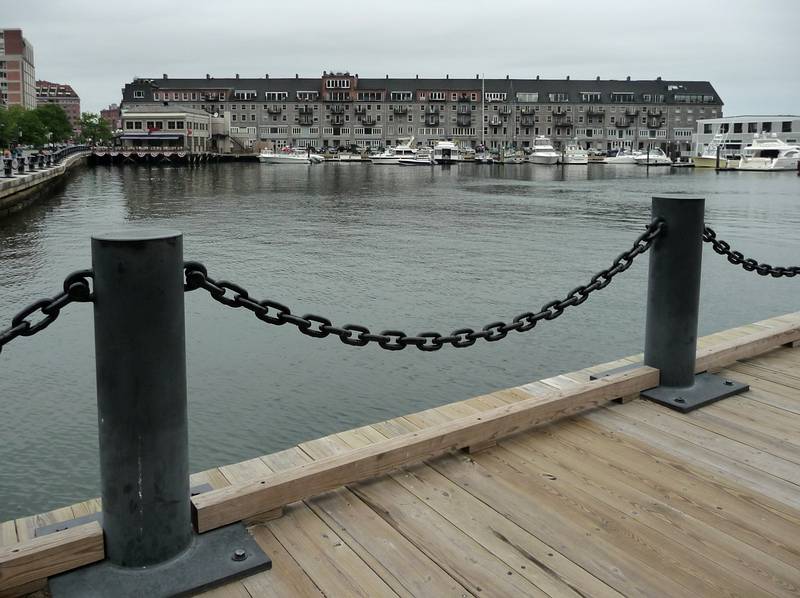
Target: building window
(138,94)
(766,127)
(786,126)
(737,127)
(752,127)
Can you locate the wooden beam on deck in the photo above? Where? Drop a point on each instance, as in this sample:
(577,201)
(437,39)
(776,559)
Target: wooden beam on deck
(239,501)
(727,352)
(36,559)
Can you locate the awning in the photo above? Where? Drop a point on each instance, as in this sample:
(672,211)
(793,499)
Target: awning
(153,137)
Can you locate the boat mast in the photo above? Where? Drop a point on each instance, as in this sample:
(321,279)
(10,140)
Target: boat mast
(483,110)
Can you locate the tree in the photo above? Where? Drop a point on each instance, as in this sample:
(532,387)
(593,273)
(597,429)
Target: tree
(22,126)
(55,121)
(94,129)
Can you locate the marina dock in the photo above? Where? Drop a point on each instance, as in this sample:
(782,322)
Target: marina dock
(600,498)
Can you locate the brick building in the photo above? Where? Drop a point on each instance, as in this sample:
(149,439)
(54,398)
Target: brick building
(63,95)
(17,75)
(112,115)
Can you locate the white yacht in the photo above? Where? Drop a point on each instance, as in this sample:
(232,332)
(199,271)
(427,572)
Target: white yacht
(422,157)
(286,157)
(543,152)
(622,156)
(574,154)
(393,155)
(446,152)
(653,157)
(769,153)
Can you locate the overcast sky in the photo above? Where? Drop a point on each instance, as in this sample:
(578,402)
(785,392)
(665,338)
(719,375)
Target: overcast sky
(747,49)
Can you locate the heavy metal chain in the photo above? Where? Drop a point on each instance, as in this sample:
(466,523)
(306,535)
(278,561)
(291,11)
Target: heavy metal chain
(76,290)
(737,258)
(272,312)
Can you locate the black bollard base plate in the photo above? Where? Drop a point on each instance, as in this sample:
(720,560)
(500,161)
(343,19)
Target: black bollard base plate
(208,562)
(707,388)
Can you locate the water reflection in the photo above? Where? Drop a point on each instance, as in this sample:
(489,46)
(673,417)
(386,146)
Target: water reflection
(387,247)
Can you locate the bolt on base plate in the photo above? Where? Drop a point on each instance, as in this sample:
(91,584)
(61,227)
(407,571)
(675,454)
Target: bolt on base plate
(707,388)
(214,558)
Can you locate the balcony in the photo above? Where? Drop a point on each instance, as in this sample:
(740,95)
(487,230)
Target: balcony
(305,109)
(655,123)
(337,109)
(622,124)
(360,110)
(631,113)
(654,114)
(566,123)
(464,120)
(464,98)
(464,110)
(305,119)
(504,110)
(596,113)
(401,109)
(527,110)
(432,110)
(432,120)
(274,109)
(368,120)
(495,121)
(527,120)
(337,120)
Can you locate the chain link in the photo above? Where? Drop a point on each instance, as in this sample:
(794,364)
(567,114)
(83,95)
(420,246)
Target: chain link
(271,312)
(76,289)
(737,258)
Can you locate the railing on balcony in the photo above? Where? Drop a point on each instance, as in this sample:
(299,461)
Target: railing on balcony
(432,110)
(463,110)
(305,109)
(527,120)
(337,109)
(305,119)
(495,121)
(401,109)
(655,113)
(622,124)
(654,123)
(464,120)
(337,120)
(432,120)
(464,98)
(368,120)
(274,109)
(526,110)
(595,112)
(360,110)
(504,110)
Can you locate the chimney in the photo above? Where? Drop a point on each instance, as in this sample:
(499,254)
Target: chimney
(387,76)
(507,77)
(296,75)
(447,76)
(266,76)
(477,76)
(356,75)
(208,76)
(598,78)
(165,76)
(658,78)
(417,76)
(537,77)
(567,77)
(628,78)
(324,73)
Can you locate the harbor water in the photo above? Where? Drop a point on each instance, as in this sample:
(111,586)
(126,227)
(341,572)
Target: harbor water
(414,249)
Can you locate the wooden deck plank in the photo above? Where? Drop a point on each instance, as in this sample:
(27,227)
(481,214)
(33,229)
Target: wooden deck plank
(286,578)
(688,488)
(395,560)
(775,394)
(659,418)
(738,559)
(734,431)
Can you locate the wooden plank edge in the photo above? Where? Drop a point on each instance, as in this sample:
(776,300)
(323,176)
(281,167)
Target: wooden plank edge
(39,558)
(240,501)
(24,589)
(727,352)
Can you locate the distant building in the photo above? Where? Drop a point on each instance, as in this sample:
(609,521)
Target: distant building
(17,76)
(62,95)
(342,109)
(113,116)
(167,127)
(736,132)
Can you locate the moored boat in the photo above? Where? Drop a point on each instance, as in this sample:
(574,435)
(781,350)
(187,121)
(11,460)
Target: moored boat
(573,154)
(653,157)
(621,156)
(393,155)
(446,152)
(422,157)
(769,154)
(543,151)
(286,156)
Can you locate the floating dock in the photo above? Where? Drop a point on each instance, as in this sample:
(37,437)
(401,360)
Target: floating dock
(600,498)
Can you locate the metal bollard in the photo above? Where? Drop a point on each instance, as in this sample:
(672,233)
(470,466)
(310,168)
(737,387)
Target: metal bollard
(673,301)
(32,163)
(8,167)
(141,396)
(151,548)
(21,165)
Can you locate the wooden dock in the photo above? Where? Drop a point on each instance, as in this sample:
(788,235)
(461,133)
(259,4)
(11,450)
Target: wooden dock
(623,499)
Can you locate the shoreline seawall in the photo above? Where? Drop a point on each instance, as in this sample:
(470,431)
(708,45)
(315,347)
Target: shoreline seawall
(19,192)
